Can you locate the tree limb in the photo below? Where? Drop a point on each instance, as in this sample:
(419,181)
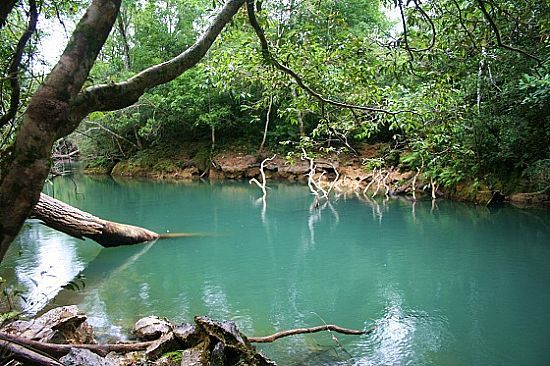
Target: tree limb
(496,31)
(47,117)
(16,62)
(76,223)
(320,328)
(114,96)
(266,53)
(111,132)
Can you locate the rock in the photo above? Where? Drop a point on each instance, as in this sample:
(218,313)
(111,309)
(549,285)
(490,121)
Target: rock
(300,168)
(166,343)
(84,357)
(530,199)
(65,324)
(126,359)
(223,330)
(188,334)
(228,341)
(217,357)
(151,327)
(234,166)
(194,356)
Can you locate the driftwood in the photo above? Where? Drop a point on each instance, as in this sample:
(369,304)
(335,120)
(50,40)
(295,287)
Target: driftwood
(320,328)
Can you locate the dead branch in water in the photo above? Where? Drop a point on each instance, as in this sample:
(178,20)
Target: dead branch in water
(316,187)
(320,328)
(262,185)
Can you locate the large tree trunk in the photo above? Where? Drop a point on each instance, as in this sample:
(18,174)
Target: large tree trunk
(59,106)
(46,115)
(80,224)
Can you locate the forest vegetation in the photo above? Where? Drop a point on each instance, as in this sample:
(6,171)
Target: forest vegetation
(457,90)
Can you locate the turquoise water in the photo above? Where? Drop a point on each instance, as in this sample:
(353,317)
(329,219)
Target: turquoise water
(449,284)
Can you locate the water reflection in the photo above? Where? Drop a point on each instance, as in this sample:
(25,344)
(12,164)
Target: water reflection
(403,336)
(47,261)
(429,279)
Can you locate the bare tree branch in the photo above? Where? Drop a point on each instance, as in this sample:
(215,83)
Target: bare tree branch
(16,63)
(496,31)
(432,26)
(461,20)
(266,53)
(113,133)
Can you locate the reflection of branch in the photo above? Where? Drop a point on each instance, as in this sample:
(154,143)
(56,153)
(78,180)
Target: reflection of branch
(16,62)
(320,328)
(494,27)
(266,53)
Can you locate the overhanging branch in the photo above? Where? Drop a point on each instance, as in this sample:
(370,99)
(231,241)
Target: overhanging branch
(496,31)
(266,53)
(109,97)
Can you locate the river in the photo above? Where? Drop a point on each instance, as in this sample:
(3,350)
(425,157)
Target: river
(444,284)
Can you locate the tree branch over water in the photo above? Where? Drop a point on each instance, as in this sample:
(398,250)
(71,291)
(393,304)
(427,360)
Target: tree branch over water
(496,31)
(268,56)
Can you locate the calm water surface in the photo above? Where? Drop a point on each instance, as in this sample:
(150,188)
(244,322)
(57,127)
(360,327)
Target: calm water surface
(452,284)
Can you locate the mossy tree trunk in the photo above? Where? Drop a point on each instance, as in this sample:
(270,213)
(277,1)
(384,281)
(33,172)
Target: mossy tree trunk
(60,104)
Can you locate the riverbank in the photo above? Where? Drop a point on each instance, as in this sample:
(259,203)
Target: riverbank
(362,173)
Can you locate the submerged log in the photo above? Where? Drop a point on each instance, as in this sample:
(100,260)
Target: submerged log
(79,224)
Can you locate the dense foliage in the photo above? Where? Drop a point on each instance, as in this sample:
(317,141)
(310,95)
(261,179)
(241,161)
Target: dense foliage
(467,83)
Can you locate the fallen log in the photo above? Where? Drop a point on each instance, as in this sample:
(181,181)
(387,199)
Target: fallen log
(79,224)
(320,328)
